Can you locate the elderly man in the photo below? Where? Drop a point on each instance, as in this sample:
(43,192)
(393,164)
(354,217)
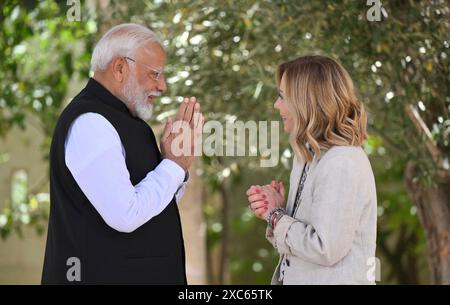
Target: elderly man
(114,216)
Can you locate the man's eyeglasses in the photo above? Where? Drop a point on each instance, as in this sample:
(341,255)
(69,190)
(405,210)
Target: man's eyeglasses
(156,73)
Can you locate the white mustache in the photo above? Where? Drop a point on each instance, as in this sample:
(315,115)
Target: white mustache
(154,93)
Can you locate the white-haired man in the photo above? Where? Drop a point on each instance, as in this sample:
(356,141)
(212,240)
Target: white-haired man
(113,215)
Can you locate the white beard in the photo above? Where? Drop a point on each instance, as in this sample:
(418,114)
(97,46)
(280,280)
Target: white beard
(136,98)
(143,109)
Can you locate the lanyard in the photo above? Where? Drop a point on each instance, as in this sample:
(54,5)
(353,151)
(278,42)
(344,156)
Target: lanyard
(300,189)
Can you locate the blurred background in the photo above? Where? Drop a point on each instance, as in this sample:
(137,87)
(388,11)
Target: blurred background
(225,53)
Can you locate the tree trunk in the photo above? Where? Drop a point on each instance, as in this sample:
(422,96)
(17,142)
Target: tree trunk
(433,207)
(194,228)
(225,236)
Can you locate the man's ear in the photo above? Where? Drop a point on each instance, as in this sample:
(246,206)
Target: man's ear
(119,68)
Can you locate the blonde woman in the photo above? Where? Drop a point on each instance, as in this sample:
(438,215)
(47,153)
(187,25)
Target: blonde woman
(326,233)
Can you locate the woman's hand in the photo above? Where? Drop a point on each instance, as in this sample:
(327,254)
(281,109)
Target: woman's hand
(278,186)
(265,198)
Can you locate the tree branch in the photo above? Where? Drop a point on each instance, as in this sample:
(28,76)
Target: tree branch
(423,129)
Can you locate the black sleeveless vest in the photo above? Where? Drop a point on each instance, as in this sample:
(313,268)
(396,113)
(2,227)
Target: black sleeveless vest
(152,254)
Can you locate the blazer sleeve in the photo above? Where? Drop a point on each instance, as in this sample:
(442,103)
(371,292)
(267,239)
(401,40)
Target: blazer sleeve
(334,217)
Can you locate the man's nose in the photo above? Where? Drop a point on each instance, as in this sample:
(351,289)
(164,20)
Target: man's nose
(162,86)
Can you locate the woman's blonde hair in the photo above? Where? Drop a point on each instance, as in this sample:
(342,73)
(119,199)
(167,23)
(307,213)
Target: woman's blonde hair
(320,95)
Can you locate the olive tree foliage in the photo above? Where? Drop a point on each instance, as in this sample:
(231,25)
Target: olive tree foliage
(226,52)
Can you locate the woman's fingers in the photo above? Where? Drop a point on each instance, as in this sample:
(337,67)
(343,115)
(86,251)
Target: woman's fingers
(281,188)
(273,184)
(260,212)
(254,189)
(249,191)
(258,205)
(256,197)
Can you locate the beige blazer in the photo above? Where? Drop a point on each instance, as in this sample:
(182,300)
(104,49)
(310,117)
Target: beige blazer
(331,238)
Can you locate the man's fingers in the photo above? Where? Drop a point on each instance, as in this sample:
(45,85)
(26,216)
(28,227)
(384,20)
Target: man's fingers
(189,110)
(182,109)
(197,123)
(198,132)
(200,122)
(195,116)
(167,129)
(198,129)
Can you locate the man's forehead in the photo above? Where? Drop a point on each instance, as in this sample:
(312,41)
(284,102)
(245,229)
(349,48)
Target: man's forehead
(152,51)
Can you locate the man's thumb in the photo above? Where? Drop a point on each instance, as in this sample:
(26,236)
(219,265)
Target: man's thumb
(167,129)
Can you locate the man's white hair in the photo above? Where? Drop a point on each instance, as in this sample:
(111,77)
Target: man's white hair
(121,40)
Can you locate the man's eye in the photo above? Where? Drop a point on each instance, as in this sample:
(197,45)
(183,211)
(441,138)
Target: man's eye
(153,75)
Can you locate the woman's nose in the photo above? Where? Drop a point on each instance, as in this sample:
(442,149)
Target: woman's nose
(276,105)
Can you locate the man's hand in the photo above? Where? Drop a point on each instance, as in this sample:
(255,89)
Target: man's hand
(179,138)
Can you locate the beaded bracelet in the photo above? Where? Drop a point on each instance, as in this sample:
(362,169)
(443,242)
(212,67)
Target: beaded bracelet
(274,216)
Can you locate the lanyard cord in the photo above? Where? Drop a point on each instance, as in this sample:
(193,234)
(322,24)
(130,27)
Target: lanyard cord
(300,189)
